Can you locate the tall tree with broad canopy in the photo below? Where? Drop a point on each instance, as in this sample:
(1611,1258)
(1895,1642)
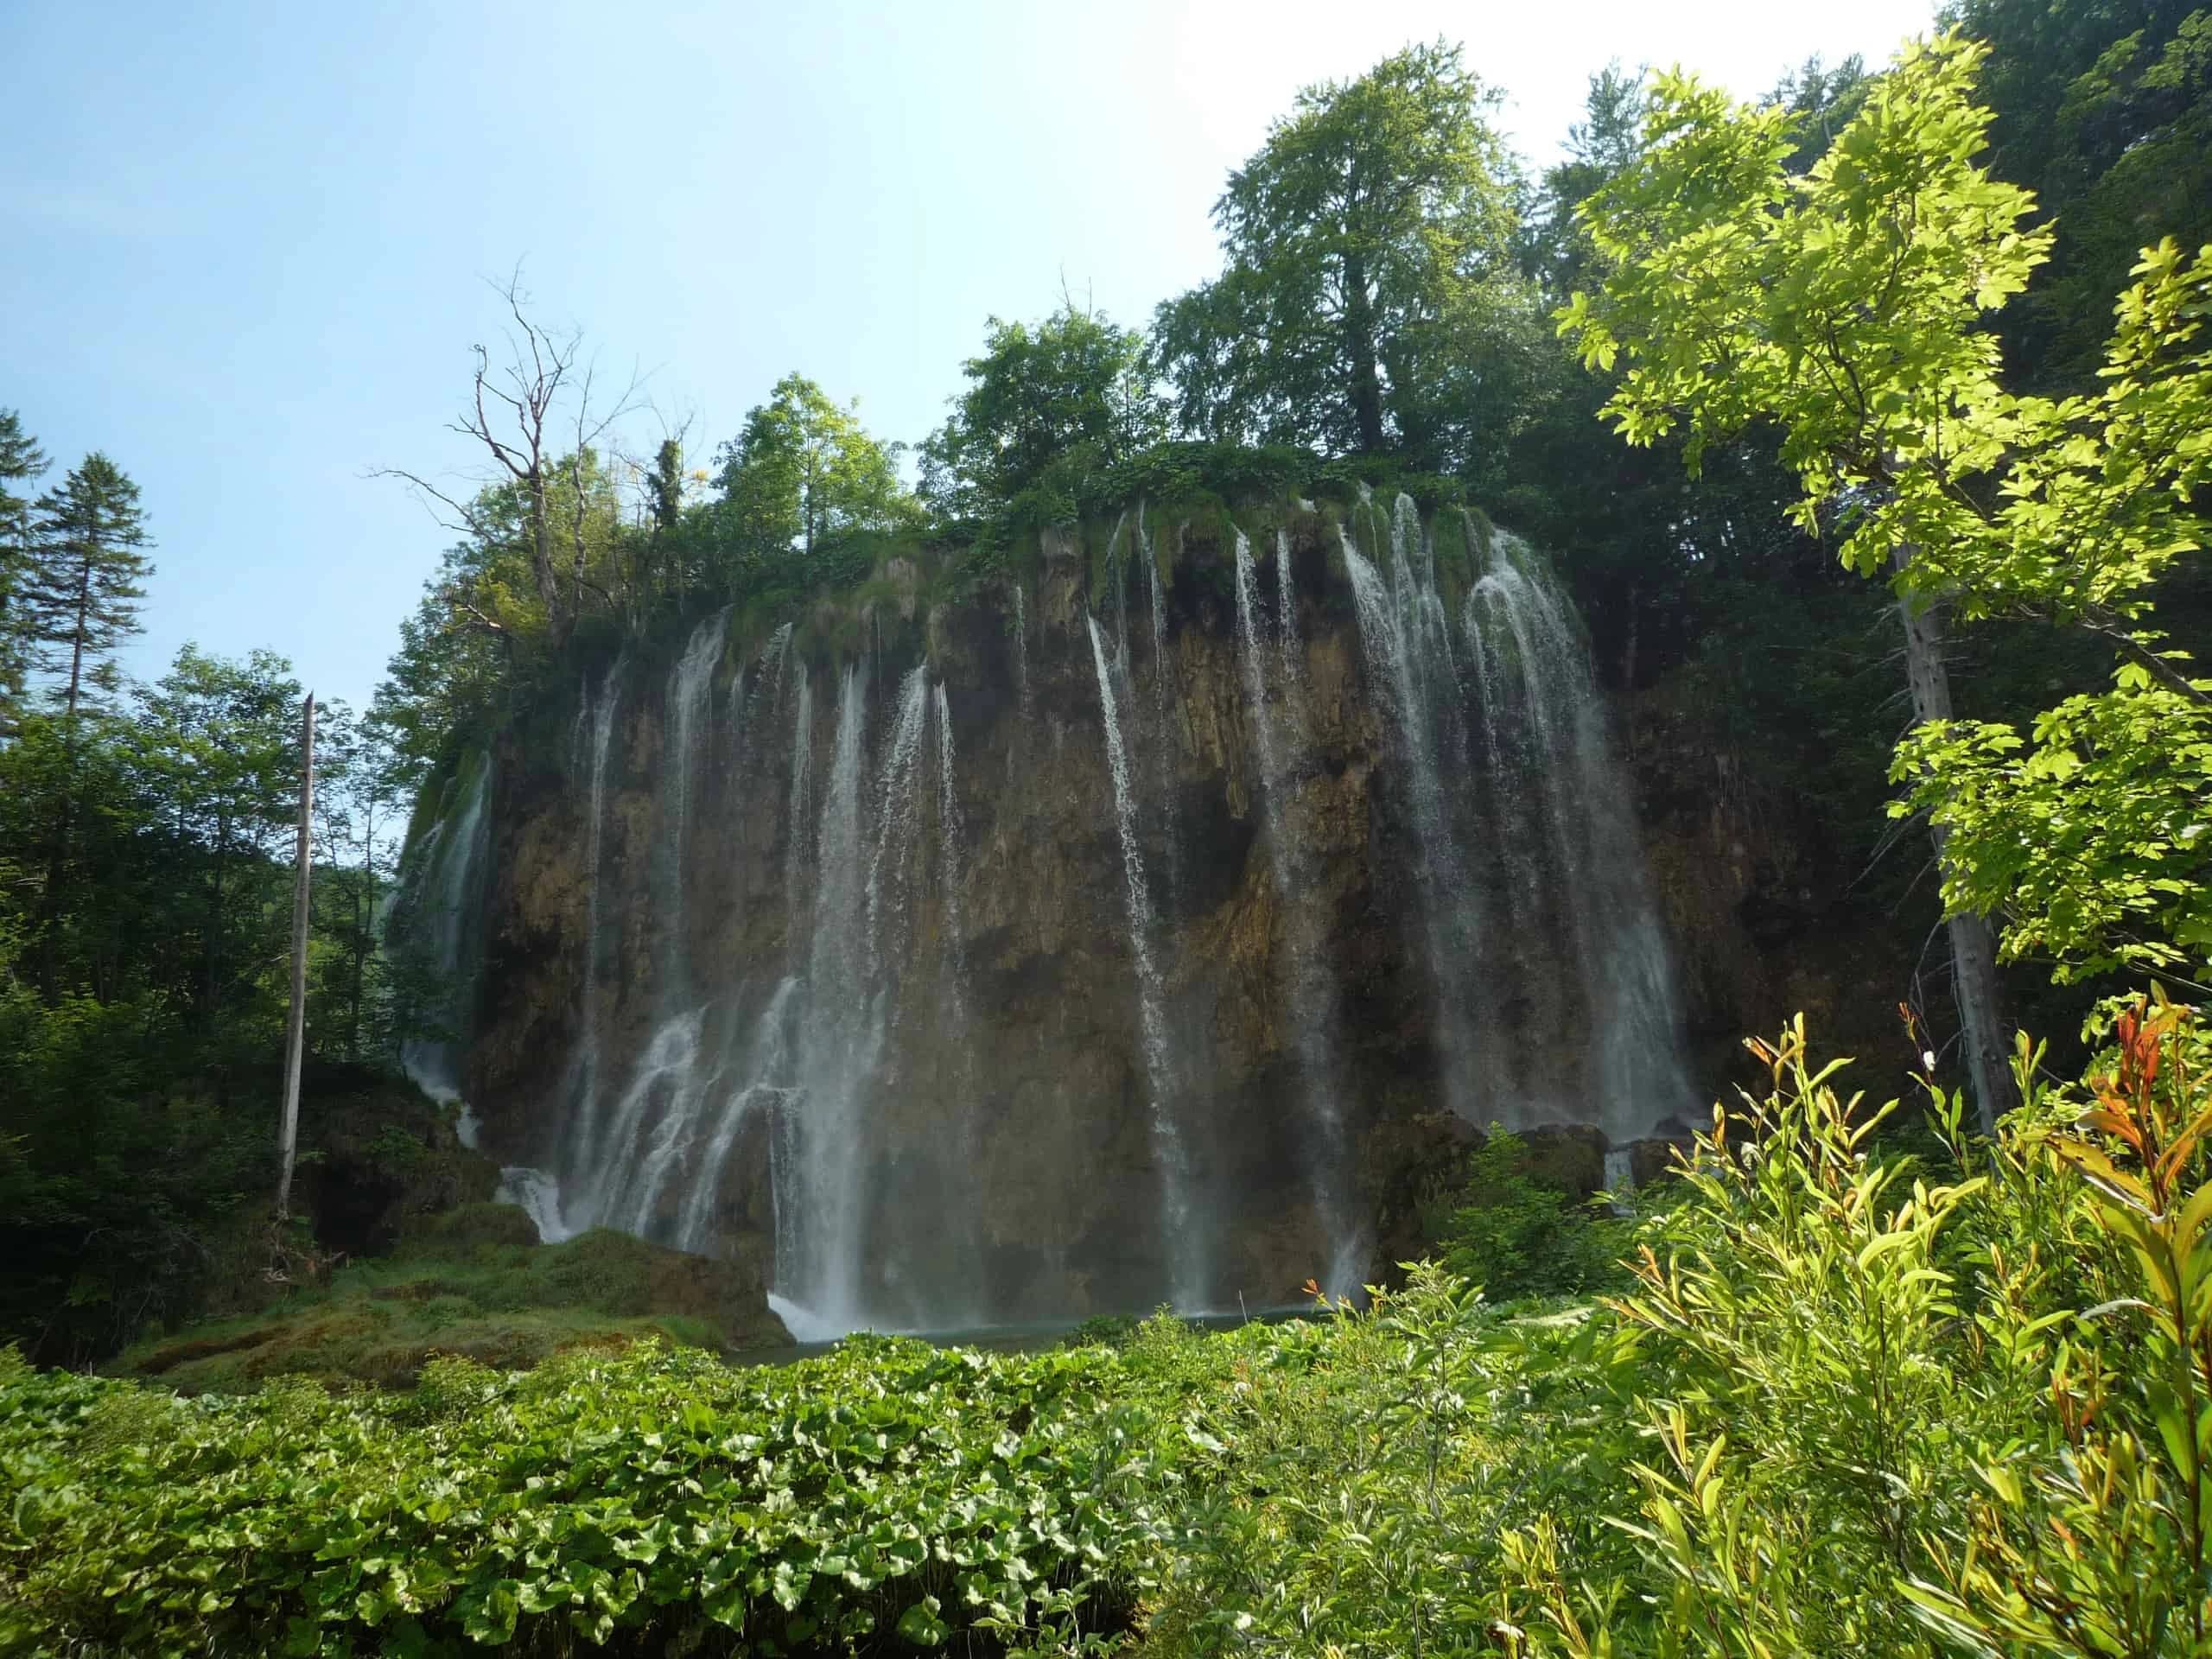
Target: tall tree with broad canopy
(216,745)
(805,472)
(1069,394)
(1848,307)
(1370,270)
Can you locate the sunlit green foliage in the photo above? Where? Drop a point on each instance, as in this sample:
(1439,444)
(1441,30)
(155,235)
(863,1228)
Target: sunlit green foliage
(1514,1234)
(1860,1400)
(803,473)
(1045,408)
(1371,298)
(2102,111)
(1844,305)
(889,1495)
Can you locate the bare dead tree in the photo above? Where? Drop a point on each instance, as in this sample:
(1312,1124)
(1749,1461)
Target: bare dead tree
(515,413)
(296,1025)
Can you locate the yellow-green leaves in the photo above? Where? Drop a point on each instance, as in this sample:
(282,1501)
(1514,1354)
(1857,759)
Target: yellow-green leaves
(1847,308)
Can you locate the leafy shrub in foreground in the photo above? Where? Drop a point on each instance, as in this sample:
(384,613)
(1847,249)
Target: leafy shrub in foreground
(881,1497)
(1856,1402)
(1516,1236)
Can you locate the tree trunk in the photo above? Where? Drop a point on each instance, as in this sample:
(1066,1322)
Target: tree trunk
(1974,946)
(77,639)
(1359,342)
(365,921)
(295,1028)
(210,947)
(542,570)
(65,820)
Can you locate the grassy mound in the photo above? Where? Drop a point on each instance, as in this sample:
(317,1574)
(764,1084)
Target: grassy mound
(474,1283)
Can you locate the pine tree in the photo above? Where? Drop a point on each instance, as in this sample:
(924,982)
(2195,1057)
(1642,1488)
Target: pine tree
(82,579)
(20,460)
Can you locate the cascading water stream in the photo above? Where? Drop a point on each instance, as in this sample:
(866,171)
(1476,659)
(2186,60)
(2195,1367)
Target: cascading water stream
(1402,651)
(1563,806)
(814,1064)
(605,707)
(840,1036)
(1309,1010)
(800,810)
(444,898)
(536,1191)
(650,1134)
(1178,1223)
(687,690)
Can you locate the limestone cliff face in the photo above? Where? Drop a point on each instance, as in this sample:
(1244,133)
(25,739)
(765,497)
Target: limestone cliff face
(817,948)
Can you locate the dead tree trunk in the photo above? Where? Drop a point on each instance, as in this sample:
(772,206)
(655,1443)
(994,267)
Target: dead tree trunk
(1973,945)
(295,1030)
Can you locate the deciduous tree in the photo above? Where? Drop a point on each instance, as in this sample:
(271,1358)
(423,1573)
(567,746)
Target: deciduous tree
(1847,306)
(1370,269)
(1071,393)
(805,472)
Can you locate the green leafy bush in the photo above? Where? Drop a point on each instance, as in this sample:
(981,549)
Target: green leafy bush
(1858,1399)
(1516,1235)
(890,1490)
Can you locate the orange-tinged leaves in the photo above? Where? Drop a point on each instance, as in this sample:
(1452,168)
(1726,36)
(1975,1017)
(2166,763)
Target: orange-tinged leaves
(2103,1174)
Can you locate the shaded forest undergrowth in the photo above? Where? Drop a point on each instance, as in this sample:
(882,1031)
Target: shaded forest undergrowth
(1875,1386)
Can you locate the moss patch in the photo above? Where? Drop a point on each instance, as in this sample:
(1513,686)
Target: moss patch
(472,1283)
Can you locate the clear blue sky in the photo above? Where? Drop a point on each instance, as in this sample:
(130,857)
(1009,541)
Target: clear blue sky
(245,242)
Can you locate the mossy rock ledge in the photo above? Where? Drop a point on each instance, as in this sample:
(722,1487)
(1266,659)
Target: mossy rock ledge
(474,1282)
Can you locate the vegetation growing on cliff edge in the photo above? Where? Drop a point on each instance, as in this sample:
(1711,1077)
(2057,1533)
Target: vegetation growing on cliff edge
(1856,1401)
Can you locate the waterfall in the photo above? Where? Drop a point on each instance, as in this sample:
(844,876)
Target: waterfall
(1309,1010)
(1563,811)
(575,1148)
(1409,667)
(688,685)
(645,1134)
(966,1150)
(825,1068)
(947,825)
(899,803)
(672,1151)
(537,1195)
(840,1035)
(1178,1223)
(1158,634)
(768,682)
(442,898)
(646,1161)
(649,1141)
(582,1148)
